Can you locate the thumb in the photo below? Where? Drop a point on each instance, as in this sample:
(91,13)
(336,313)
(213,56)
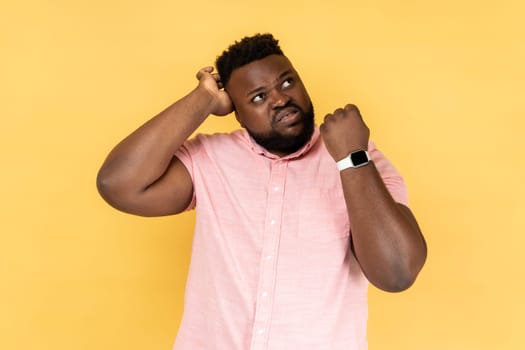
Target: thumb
(204,71)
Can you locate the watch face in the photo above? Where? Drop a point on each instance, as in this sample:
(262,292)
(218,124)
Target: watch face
(359,158)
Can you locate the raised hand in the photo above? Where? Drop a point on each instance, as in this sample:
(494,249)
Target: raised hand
(211,82)
(344,131)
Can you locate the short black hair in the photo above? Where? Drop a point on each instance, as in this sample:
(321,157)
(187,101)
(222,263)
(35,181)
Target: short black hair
(249,49)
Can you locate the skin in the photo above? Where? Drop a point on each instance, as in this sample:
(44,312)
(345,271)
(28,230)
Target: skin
(271,100)
(385,236)
(141,176)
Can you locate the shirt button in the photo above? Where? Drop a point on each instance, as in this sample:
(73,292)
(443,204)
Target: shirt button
(268,257)
(260,331)
(272,222)
(276,188)
(264,294)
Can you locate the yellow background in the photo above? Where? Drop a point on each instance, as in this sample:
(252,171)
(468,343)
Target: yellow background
(441,85)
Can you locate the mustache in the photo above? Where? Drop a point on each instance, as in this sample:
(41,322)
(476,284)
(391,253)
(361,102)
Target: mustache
(287,105)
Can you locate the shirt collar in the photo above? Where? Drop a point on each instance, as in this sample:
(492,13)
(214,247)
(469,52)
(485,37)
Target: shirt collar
(256,148)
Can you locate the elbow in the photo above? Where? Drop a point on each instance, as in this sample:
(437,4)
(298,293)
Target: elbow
(105,188)
(122,196)
(396,284)
(110,188)
(401,272)
(399,277)
(104,184)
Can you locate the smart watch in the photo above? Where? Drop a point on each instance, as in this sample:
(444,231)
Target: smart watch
(355,159)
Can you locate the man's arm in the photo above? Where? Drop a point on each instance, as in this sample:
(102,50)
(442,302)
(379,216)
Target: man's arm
(141,175)
(385,236)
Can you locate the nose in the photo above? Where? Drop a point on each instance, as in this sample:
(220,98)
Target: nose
(279,99)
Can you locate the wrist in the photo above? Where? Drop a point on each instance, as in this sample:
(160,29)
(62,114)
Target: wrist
(205,99)
(354,159)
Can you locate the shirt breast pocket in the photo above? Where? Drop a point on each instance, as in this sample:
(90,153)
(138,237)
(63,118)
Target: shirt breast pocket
(323,216)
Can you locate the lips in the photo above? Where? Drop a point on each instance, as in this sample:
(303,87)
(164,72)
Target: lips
(288,115)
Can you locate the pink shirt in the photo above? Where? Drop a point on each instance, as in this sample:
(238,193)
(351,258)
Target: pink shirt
(271,265)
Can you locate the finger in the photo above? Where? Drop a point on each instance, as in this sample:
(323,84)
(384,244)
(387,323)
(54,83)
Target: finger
(202,71)
(352,108)
(338,112)
(217,79)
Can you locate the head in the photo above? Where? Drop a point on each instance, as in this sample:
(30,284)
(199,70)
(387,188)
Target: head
(269,98)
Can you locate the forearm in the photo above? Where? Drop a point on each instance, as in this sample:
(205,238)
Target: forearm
(143,157)
(386,239)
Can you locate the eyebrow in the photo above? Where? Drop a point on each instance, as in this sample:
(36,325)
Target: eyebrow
(262,88)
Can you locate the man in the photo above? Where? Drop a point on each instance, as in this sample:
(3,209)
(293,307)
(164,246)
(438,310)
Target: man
(290,217)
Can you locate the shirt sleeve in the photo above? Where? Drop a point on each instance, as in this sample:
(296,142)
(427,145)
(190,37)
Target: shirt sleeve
(391,177)
(186,154)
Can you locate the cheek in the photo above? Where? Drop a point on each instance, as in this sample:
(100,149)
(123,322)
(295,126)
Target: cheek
(250,113)
(301,95)
(244,117)
(255,119)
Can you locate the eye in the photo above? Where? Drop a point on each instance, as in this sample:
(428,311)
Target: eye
(287,83)
(258,98)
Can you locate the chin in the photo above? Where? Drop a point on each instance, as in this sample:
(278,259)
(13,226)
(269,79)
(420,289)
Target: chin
(287,143)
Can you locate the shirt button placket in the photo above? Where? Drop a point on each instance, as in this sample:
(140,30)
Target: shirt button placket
(270,248)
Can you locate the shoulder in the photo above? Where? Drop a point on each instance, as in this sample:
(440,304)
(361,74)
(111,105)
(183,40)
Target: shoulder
(217,147)
(233,137)
(200,141)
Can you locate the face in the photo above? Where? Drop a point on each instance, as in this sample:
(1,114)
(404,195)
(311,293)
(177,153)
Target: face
(272,104)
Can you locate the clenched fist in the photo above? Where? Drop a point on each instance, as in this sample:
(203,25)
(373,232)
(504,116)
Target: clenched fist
(344,131)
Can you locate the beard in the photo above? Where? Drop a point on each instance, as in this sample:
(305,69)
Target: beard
(287,144)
